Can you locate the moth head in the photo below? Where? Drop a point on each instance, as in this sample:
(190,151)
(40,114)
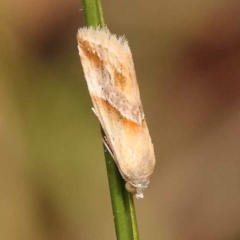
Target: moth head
(137,189)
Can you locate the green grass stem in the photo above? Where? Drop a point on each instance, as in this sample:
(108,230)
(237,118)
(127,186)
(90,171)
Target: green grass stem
(122,201)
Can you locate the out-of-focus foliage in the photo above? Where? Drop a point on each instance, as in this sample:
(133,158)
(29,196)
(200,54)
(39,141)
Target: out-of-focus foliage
(53,181)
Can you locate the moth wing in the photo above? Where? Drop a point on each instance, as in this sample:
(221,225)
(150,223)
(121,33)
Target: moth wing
(130,143)
(109,70)
(111,79)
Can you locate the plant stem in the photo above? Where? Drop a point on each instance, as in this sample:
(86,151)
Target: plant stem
(122,201)
(93,13)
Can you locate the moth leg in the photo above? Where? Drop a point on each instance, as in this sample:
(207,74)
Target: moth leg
(94,112)
(106,144)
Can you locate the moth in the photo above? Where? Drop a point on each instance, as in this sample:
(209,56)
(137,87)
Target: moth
(109,71)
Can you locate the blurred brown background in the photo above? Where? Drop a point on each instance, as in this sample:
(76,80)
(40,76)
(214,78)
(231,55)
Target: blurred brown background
(53,181)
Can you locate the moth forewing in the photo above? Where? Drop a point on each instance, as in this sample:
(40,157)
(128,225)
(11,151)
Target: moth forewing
(109,71)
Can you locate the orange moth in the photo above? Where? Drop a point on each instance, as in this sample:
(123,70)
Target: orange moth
(109,71)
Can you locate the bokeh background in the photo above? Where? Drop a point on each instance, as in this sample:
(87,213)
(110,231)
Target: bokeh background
(53,182)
